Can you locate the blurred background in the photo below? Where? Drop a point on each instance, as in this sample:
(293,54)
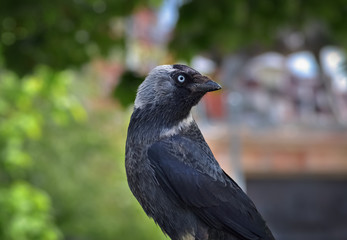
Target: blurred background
(69,71)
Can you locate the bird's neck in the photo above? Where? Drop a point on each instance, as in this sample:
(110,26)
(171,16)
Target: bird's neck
(155,122)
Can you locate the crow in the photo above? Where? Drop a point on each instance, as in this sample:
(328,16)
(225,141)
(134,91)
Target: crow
(171,170)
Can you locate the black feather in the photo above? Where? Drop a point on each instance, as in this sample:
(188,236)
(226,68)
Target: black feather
(220,203)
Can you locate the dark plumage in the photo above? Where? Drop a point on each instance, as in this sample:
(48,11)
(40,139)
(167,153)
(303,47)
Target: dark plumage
(172,171)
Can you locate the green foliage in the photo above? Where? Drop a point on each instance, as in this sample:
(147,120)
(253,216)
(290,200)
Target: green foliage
(62,170)
(219,27)
(125,92)
(26,213)
(25,106)
(60,34)
(82,169)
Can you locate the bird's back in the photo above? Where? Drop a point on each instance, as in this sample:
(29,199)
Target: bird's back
(189,174)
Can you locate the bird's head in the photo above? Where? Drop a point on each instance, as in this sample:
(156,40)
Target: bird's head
(174,85)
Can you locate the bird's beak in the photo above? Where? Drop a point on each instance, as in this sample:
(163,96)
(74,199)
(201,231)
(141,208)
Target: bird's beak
(204,84)
(210,86)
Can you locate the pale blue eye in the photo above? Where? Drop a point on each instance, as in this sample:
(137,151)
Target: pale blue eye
(181,78)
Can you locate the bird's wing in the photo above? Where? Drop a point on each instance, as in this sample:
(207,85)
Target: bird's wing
(216,200)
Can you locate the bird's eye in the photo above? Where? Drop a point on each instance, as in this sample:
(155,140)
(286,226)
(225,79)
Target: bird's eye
(181,78)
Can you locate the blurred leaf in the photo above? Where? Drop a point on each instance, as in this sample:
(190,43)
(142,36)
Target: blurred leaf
(32,85)
(26,106)
(60,34)
(218,28)
(125,92)
(26,213)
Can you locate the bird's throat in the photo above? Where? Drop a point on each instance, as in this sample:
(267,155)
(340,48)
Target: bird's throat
(176,128)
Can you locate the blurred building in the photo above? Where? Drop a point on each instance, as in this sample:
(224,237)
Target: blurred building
(282,134)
